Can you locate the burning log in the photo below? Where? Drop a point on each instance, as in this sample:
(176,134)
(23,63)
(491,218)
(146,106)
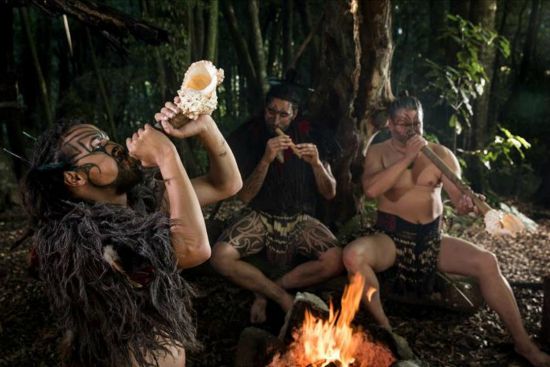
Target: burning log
(315,335)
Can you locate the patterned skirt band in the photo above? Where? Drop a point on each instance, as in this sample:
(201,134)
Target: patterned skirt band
(392,223)
(417,251)
(281,236)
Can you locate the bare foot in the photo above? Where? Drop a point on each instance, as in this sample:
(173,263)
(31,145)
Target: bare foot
(534,355)
(257,310)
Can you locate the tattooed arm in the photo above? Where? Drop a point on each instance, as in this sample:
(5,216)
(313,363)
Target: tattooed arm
(188,230)
(326,184)
(223,178)
(254,182)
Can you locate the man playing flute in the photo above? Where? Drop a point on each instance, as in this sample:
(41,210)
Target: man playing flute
(285,174)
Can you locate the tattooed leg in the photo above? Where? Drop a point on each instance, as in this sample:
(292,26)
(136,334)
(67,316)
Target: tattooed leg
(315,241)
(244,238)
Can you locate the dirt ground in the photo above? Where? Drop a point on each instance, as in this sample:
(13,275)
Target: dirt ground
(439,337)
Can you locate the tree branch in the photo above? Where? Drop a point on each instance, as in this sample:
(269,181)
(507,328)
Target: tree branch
(104,18)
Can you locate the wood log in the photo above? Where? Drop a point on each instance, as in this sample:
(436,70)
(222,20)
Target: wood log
(545,331)
(295,317)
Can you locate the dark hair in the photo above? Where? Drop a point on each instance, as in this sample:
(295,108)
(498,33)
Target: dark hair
(44,192)
(286,92)
(404,102)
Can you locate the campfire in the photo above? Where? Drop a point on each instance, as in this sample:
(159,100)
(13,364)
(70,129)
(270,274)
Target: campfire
(334,341)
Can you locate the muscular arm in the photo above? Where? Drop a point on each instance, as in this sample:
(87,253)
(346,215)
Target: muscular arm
(254,182)
(223,178)
(188,231)
(326,184)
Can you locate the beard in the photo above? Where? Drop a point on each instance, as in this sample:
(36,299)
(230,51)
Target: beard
(403,138)
(129,175)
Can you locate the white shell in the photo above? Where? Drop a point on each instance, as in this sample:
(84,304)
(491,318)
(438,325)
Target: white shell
(499,223)
(198,90)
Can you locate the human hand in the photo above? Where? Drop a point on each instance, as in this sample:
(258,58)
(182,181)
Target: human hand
(309,153)
(276,145)
(150,146)
(171,113)
(413,146)
(466,204)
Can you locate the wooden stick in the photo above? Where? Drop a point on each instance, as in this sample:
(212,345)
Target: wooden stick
(465,189)
(292,146)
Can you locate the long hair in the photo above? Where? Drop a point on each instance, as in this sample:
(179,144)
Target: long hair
(111,315)
(44,193)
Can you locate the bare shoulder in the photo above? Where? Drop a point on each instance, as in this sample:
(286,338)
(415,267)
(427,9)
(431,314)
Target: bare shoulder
(442,151)
(446,155)
(373,160)
(378,149)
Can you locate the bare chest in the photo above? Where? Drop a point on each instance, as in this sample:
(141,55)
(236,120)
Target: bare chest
(421,173)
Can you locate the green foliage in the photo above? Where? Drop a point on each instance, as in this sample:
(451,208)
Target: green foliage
(459,85)
(503,147)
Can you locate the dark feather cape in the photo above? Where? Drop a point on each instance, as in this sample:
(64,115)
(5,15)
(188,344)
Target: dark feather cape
(112,316)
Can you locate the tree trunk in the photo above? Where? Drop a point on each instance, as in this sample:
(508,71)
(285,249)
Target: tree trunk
(529,47)
(195,23)
(483,12)
(101,85)
(461,8)
(355,60)
(258,43)
(246,66)
(212,38)
(287,15)
(438,11)
(10,110)
(307,29)
(497,83)
(38,69)
(373,88)
(274,45)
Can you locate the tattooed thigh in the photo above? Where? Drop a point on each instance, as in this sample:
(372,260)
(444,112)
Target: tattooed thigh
(246,235)
(313,238)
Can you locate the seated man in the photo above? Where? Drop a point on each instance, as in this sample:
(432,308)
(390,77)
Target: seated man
(281,191)
(407,186)
(109,242)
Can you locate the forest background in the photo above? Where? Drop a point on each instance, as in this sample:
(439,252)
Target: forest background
(479,67)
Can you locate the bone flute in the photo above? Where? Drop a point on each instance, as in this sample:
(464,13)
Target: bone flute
(292,146)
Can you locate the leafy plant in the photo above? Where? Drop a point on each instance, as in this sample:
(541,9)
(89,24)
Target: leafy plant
(502,147)
(459,85)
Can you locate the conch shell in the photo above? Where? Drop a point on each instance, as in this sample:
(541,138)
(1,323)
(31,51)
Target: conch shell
(498,222)
(198,91)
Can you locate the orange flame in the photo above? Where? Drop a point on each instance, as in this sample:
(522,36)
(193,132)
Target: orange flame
(318,342)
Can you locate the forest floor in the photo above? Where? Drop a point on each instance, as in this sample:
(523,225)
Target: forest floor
(439,337)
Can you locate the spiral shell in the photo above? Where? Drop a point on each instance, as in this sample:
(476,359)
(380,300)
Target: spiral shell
(198,90)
